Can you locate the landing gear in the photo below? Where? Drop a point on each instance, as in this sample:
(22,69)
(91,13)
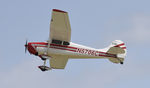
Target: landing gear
(44,68)
(121,62)
(43,57)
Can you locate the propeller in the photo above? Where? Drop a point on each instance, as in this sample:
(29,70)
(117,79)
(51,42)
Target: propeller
(26,46)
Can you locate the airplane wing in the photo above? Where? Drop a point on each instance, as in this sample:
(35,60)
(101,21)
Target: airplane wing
(60,26)
(58,62)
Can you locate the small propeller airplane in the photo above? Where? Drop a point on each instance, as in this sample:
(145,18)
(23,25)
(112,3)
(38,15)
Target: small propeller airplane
(58,49)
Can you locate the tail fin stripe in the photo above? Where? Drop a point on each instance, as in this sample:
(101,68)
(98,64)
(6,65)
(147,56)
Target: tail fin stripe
(119,45)
(123,47)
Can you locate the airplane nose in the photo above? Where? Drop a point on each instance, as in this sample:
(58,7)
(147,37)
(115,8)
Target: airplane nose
(30,48)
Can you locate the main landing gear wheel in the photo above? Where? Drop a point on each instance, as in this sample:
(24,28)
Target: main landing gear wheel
(44,68)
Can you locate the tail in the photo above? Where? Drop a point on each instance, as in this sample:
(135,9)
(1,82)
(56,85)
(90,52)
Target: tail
(118,48)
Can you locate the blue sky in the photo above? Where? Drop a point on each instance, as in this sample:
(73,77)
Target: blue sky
(95,23)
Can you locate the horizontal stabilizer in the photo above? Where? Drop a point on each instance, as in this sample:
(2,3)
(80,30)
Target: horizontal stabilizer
(116,50)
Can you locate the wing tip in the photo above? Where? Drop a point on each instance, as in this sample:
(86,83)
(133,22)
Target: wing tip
(57,10)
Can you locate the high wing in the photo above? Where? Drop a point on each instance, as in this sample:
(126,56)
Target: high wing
(58,62)
(60,26)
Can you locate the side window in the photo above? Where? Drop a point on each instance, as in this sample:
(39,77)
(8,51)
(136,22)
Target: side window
(66,43)
(56,42)
(60,42)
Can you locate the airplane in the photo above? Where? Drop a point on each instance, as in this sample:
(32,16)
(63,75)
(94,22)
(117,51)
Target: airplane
(58,49)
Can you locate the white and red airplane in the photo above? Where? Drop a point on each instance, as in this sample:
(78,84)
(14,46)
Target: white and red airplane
(58,49)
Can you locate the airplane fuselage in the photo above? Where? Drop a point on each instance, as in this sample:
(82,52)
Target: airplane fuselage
(71,51)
